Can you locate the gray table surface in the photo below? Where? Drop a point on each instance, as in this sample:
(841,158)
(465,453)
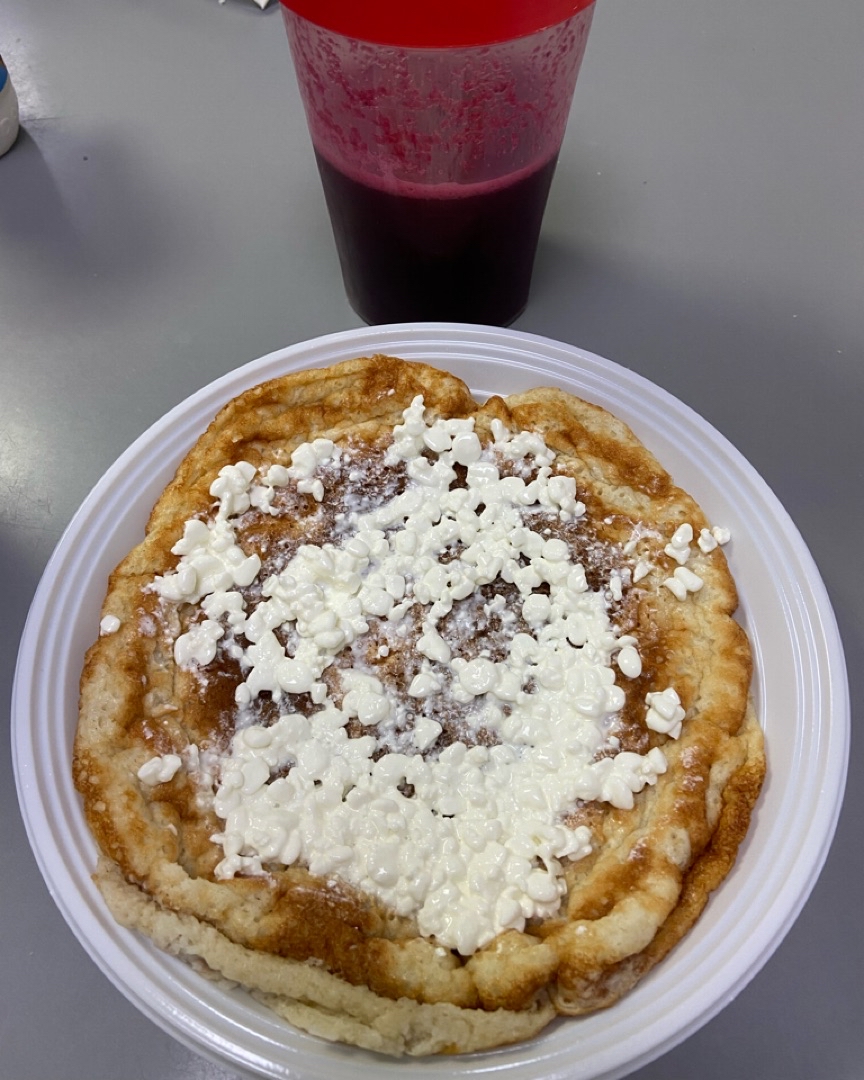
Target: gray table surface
(161,223)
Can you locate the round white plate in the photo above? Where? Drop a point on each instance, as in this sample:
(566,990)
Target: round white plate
(800,693)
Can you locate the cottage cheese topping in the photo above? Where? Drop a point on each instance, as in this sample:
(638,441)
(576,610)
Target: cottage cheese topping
(470,838)
(109,624)
(160,769)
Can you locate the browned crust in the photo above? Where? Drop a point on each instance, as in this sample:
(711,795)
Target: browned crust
(653,867)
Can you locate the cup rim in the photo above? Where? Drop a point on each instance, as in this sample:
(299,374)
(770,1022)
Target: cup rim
(456,24)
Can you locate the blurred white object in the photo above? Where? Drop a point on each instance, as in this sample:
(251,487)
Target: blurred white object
(8,110)
(261,3)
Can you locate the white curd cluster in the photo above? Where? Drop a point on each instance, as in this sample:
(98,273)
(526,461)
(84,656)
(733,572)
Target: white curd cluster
(470,840)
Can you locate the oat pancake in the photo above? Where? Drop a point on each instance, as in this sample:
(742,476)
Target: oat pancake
(424,720)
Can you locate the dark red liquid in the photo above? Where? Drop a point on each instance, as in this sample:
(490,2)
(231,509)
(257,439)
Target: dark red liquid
(461,258)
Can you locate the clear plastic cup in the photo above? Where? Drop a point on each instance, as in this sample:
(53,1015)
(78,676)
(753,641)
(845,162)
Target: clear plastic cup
(436,144)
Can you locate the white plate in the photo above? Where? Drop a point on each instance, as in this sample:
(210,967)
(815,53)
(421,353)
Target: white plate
(800,691)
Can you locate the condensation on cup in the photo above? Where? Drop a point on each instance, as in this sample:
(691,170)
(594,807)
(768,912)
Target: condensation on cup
(436,141)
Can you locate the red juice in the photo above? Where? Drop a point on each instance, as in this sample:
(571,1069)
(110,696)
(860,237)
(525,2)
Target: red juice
(462,254)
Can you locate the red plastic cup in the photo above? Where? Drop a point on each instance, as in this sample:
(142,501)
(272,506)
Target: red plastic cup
(436,143)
